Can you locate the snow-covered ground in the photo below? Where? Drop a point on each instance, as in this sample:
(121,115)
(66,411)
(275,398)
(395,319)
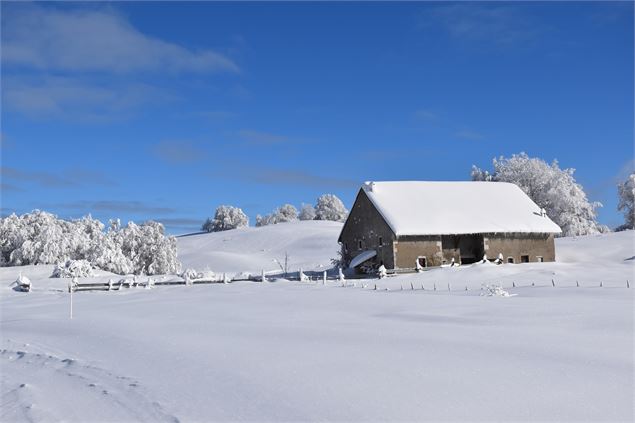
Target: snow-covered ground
(310,245)
(304,351)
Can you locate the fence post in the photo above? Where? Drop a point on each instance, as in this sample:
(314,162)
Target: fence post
(262,276)
(577,284)
(71,288)
(422,287)
(375,288)
(324,278)
(448,286)
(553,283)
(628,285)
(601,285)
(435,286)
(412,287)
(513,284)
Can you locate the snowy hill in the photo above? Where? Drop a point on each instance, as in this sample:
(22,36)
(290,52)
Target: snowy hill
(310,244)
(290,351)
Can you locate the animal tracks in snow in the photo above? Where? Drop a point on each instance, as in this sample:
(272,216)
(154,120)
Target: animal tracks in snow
(43,387)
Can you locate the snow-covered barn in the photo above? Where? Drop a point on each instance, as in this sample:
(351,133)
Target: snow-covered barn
(402,223)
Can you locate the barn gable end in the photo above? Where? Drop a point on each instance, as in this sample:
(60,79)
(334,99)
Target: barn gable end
(366,225)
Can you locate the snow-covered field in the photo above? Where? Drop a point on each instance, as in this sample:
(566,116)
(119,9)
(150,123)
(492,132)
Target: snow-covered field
(310,245)
(303,351)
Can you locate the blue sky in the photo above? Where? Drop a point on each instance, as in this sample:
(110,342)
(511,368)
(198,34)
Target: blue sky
(166,110)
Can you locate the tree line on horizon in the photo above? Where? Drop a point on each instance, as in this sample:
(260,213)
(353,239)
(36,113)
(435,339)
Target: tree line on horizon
(39,237)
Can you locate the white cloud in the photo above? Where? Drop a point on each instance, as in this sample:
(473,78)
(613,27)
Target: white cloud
(75,98)
(178,152)
(426,115)
(262,138)
(500,23)
(469,135)
(80,40)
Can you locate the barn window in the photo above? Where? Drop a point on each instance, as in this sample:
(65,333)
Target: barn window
(540,259)
(381,242)
(510,259)
(524,259)
(359,245)
(423,262)
(346,247)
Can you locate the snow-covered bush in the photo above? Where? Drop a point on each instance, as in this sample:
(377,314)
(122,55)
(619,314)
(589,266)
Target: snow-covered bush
(551,188)
(190,273)
(285,213)
(496,291)
(626,193)
(42,238)
(329,207)
(225,218)
(307,212)
(73,269)
(22,283)
(150,251)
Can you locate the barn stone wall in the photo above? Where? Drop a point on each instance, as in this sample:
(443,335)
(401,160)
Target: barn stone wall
(440,250)
(409,248)
(366,224)
(517,245)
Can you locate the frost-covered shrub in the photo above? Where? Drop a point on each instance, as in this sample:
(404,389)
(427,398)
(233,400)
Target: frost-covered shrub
(551,188)
(42,238)
(285,213)
(329,207)
(626,193)
(73,269)
(225,218)
(150,251)
(190,273)
(307,212)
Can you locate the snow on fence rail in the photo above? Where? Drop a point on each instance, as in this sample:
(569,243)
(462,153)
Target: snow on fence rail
(366,283)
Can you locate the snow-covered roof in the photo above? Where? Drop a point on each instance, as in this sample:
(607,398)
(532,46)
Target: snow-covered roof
(443,208)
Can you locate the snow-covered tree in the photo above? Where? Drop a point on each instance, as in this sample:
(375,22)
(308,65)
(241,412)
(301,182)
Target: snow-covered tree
(307,212)
(287,213)
(329,207)
(42,238)
(150,251)
(626,193)
(551,188)
(73,269)
(225,218)
(284,213)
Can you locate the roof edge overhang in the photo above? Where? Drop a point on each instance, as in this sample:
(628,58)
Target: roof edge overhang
(401,234)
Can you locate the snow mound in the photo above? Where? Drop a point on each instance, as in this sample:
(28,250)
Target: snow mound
(496,291)
(609,247)
(310,245)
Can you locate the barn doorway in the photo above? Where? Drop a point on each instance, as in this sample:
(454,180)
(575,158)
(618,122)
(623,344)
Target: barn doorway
(423,261)
(471,248)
